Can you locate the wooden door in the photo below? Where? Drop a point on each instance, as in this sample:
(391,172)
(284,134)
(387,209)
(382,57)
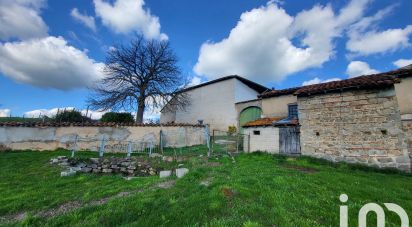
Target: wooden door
(289,140)
(249,114)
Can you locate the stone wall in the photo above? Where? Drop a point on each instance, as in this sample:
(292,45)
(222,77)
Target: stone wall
(267,141)
(407,128)
(360,126)
(51,138)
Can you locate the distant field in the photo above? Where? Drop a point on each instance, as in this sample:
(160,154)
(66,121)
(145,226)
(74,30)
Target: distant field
(257,190)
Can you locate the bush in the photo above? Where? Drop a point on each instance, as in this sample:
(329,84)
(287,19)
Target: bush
(117,117)
(70,116)
(232,130)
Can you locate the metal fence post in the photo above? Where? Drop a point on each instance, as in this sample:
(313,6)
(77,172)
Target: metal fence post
(212,140)
(161,141)
(248,143)
(237,143)
(102,144)
(74,149)
(129,149)
(207,134)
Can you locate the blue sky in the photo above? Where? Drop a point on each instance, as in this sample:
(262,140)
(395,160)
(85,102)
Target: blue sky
(51,51)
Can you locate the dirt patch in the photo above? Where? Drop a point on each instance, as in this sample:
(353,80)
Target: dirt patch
(166,184)
(13,217)
(206,182)
(73,205)
(64,208)
(228,193)
(300,169)
(213,164)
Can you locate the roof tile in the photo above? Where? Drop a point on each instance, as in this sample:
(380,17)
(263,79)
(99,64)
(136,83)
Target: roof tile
(92,124)
(268,121)
(373,81)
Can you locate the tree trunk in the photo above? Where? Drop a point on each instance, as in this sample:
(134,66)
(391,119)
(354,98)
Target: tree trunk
(140,111)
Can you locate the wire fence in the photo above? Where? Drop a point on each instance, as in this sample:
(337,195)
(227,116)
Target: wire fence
(106,145)
(168,143)
(226,142)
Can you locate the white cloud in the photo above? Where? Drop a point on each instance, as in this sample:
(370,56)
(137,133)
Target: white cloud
(95,115)
(88,21)
(402,62)
(48,62)
(316,80)
(379,42)
(366,39)
(45,112)
(359,68)
(262,44)
(4,112)
(21,19)
(125,16)
(195,81)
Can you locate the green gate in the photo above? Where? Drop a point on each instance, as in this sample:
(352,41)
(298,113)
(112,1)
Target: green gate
(249,114)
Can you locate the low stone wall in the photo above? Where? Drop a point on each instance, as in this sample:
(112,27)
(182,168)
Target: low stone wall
(51,138)
(360,126)
(130,166)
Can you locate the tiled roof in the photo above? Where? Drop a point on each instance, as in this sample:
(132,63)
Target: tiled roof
(361,82)
(262,122)
(373,81)
(276,93)
(287,122)
(255,86)
(91,124)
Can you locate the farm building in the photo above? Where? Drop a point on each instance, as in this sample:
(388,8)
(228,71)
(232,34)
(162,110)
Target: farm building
(366,119)
(213,103)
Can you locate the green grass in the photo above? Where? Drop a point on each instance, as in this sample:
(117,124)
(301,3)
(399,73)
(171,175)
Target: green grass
(257,190)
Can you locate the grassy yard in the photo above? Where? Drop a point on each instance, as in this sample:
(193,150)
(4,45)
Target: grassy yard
(257,190)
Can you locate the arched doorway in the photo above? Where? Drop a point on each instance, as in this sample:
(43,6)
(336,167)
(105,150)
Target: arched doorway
(249,114)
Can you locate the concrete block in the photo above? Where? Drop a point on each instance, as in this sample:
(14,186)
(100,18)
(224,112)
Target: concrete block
(181,172)
(155,155)
(67,173)
(165,173)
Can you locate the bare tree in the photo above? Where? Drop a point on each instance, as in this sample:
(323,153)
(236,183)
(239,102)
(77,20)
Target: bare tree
(142,74)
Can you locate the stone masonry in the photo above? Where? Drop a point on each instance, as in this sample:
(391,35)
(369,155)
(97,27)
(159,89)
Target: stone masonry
(358,126)
(407,128)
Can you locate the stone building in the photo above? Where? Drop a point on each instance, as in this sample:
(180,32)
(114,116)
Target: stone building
(366,119)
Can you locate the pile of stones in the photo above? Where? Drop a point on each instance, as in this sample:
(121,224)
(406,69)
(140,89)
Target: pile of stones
(129,166)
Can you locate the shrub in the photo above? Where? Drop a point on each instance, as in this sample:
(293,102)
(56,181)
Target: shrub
(117,117)
(232,129)
(70,116)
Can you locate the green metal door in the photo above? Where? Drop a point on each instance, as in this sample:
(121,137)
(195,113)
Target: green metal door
(249,114)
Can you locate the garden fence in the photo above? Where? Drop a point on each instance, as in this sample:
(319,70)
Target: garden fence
(175,143)
(227,142)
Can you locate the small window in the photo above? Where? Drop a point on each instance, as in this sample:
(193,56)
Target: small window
(293,110)
(256,132)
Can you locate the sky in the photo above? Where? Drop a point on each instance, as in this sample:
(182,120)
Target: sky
(52,51)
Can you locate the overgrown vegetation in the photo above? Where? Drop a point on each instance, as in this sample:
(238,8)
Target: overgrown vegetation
(70,116)
(231,129)
(21,119)
(257,190)
(117,117)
